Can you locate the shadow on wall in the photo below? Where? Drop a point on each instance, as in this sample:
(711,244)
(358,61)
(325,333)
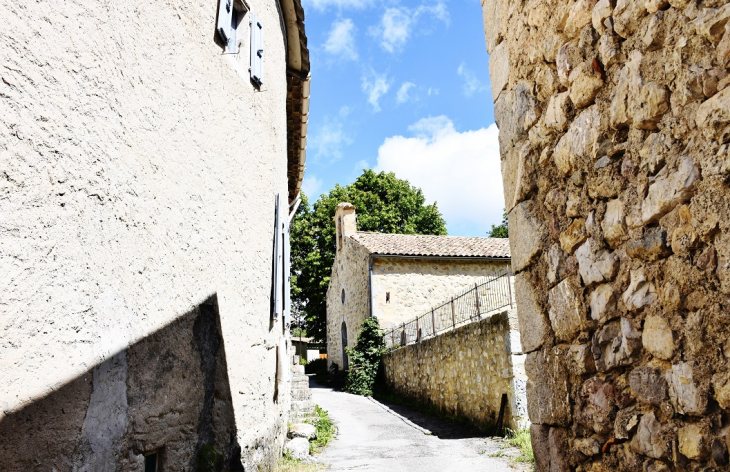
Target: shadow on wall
(164,399)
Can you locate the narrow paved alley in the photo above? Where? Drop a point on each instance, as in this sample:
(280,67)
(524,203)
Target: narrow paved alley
(373,436)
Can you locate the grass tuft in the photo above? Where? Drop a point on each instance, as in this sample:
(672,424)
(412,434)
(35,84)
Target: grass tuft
(325,430)
(290,464)
(521,440)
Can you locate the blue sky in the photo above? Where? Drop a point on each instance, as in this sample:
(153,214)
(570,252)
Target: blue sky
(403,86)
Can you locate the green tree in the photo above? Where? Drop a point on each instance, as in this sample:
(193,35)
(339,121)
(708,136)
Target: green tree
(501,231)
(384,204)
(365,358)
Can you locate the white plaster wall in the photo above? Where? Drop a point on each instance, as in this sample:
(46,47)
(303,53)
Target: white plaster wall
(138,173)
(415,285)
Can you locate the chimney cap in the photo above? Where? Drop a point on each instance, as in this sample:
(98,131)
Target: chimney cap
(345,206)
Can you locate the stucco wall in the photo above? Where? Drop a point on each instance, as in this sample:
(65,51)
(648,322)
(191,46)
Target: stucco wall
(415,285)
(613,126)
(138,173)
(349,273)
(465,371)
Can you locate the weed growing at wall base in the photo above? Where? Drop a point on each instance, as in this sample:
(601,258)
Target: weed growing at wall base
(290,464)
(521,439)
(325,430)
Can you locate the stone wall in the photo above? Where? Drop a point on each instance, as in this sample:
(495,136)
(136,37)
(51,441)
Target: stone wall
(465,371)
(415,285)
(138,173)
(614,126)
(349,274)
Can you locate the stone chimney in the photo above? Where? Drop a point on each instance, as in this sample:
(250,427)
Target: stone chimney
(345,222)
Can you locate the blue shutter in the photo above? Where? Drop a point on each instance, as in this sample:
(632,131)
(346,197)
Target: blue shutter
(277,258)
(227,24)
(257,50)
(286,271)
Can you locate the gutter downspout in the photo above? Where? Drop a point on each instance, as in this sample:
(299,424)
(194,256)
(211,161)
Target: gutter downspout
(370,281)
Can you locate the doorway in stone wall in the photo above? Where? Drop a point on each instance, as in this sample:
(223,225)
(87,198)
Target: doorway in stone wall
(345,361)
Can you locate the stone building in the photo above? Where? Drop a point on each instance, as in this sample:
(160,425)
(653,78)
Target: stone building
(614,122)
(151,154)
(396,277)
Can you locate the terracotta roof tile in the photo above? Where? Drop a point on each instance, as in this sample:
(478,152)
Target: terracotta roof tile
(428,245)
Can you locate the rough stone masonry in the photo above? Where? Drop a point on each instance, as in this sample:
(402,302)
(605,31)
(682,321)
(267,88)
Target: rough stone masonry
(614,122)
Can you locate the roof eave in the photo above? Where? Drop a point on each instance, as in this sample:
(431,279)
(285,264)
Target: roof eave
(416,256)
(297,101)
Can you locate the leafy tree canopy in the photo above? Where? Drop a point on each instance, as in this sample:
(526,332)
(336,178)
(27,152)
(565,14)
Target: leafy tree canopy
(383,204)
(501,231)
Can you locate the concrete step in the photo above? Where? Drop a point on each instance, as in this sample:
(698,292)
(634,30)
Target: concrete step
(300,382)
(301,394)
(300,417)
(302,406)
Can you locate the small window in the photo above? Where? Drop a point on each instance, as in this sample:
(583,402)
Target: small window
(387,297)
(150,462)
(343,296)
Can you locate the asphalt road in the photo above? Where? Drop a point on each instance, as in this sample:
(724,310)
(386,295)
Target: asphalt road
(379,437)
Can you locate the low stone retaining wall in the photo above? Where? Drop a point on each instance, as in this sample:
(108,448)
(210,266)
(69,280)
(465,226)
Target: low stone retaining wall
(465,371)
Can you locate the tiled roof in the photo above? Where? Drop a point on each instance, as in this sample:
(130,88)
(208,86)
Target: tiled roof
(427,245)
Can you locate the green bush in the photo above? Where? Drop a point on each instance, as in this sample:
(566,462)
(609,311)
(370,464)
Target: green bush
(365,358)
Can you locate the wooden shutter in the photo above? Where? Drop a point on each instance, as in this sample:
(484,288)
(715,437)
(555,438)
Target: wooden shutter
(226,27)
(257,50)
(286,271)
(278,243)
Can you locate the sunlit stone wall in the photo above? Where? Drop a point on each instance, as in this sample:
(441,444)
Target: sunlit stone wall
(465,371)
(614,123)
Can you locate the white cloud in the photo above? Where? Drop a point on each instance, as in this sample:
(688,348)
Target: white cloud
(375,86)
(397,24)
(344,111)
(312,186)
(472,84)
(341,39)
(459,170)
(395,27)
(327,140)
(402,95)
(323,5)
(432,91)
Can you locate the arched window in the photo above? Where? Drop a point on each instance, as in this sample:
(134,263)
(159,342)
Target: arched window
(343,296)
(344,345)
(339,233)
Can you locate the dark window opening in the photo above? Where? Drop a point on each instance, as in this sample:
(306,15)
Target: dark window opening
(343,296)
(387,297)
(150,463)
(339,231)
(345,360)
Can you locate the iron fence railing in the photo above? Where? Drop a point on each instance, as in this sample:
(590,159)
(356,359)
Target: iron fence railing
(486,296)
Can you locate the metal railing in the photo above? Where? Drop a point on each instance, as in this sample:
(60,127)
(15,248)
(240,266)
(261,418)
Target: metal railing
(487,295)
